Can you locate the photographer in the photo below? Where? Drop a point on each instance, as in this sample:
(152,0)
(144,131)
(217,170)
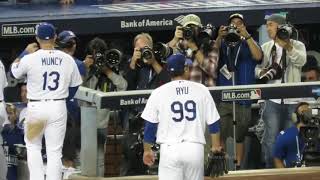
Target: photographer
(145,72)
(188,40)
(285,151)
(105,77)
(282,62)
(238,54)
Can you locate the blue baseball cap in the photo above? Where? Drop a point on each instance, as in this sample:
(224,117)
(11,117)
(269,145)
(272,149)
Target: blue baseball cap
(45,31)
(176,63)
(66,36)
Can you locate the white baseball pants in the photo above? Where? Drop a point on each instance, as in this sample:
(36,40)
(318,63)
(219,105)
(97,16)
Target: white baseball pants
(182,161)
(46,118)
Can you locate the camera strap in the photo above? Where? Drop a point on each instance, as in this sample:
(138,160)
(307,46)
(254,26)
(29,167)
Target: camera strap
(230,60)
(284,64)
(299,155)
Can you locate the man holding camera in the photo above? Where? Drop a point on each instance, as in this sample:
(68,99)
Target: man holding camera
(188,41)
(239,55)
(282,62)
(289,145)
(145,72)
(103,77)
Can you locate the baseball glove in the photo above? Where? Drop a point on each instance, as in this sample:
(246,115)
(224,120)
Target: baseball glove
(216,165)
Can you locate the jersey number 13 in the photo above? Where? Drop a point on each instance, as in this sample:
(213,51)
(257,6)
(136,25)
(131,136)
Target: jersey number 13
(52,85)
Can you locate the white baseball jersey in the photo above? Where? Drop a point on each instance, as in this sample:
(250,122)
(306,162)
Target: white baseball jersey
(182,109)
(49,74)
(3,80)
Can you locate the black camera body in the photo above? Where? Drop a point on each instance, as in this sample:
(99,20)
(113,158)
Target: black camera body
(188,32)
(284,32)
(310,133)
(233,36)
(160,51)
(311,130)
(146,53)
(110,58)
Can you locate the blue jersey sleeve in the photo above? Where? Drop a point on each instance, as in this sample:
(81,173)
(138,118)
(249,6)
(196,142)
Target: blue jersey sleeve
(150,131)
(214,127)
(279,148)
(81,67)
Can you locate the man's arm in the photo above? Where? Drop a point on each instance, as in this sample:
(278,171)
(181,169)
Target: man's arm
(178,34)
(214,130)
(279,152)
(255,50)
(117,80)
(296,51)
(31,48)
(150,130)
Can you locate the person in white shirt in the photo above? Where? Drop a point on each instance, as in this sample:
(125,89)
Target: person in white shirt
(3,118)
(49,73)
(282,63)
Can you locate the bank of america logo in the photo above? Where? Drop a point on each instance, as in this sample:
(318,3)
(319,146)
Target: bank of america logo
(179,19)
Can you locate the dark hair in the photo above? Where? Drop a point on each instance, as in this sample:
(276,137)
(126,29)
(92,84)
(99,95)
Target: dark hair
(98,45)
(176,73)
(311,64)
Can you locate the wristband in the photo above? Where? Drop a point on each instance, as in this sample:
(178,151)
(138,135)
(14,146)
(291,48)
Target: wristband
(25,52)
(248,37)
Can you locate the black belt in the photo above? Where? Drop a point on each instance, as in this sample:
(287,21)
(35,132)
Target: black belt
(1,101)
(37,100)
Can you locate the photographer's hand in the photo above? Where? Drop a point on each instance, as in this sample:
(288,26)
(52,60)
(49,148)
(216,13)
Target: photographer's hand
(32,47)
(286,44)
(263,71)
(221,34)
(178,34)
(88,61)
(135,57)
(243,32)
(107,71)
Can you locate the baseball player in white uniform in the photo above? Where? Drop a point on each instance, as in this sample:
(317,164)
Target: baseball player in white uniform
(3,118)
(49,74)
(175,117)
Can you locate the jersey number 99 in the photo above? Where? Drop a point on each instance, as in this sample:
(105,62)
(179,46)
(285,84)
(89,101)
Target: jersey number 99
(187,110)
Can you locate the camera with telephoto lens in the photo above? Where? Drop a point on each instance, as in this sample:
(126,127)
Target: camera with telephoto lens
(162,51)
(109,58)
(310,133)
(284,32)
(233,37)
(273,72)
